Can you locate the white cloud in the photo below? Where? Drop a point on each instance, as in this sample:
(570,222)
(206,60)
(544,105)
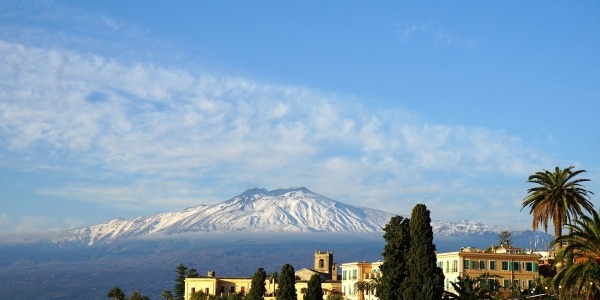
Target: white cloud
(175,136)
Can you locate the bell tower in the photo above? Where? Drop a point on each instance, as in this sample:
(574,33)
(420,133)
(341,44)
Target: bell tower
(324,263)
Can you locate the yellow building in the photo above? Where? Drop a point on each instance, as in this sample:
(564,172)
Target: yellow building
(512,267)
(360,272)
(324,266)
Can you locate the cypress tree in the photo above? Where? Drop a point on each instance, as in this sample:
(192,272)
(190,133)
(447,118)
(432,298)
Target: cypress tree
(287,284)
(425,279)
(179,288)
(257,287)
(314,290)
(394,267)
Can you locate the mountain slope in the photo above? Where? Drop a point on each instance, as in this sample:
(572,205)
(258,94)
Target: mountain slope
(256,210)
(259,210)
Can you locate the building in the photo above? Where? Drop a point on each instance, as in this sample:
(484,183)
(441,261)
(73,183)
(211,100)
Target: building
(323,266)
(508,267)
(354,272)
(212,285)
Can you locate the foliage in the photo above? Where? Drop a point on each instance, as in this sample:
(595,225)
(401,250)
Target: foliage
(394,262)
(360,287)
(505,238)
(335,297)
(314,290)
(191,273)
(179,288)
(583,246)
(257,287)
(557,196)
(137,295)
(425,279)
(467,288)
(167,295)
(116,293)
(198,295)
(287,284)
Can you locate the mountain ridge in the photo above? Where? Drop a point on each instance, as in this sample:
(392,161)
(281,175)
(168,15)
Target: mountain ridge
(259,210)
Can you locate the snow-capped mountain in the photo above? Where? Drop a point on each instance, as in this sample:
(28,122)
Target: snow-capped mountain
(256,210)
(259,210)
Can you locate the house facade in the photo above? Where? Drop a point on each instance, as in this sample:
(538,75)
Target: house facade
(367,272)
(507,267)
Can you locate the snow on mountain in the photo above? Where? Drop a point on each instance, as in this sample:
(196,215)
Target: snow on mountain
(256,210)
(259,210)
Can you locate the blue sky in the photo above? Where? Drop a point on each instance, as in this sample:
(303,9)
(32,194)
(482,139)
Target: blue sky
(120,109)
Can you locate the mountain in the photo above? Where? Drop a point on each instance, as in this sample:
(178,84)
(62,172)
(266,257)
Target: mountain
(258,228)
(259,210)
(255,210)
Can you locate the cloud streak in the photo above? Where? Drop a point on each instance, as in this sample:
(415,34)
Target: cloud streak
(144,134)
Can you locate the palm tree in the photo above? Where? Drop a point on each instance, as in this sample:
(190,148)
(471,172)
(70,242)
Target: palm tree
(167,295)
(557,197)
(361,287)
(273,280)
(137,295)
(467,288)
(583,246)
(116,293)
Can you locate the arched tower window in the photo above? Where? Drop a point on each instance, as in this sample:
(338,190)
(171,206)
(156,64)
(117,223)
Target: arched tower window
(321,263)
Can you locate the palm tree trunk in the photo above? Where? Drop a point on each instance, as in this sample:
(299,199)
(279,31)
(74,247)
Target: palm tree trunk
(558,232)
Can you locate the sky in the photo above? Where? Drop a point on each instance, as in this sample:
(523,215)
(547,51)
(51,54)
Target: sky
(118,109)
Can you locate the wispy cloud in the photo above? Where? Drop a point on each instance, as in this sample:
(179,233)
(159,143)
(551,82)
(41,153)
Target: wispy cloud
(161,136)
(438,36)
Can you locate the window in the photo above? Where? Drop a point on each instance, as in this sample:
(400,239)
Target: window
(482,265)
(447,266)
(505,265)
(193,290)
(354,274)
(206,290)
(516,265)
(321,263)
(232,289)
(516,283)
(507,283)
(222,289)
(344,277)
(467,264)
(492,265)
(455,266)
(303,290)
(530,267)
(242,290)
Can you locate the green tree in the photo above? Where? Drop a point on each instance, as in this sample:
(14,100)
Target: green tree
(137,295)
(557,196)
(179,288)
(257,287)
(116,293)
(360,287)
(467,288)
(314,290)
(505,238)
(198,295)
(287,284)
(167,295)
(425,279)
(583,246)
(191,273)
(397,237)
